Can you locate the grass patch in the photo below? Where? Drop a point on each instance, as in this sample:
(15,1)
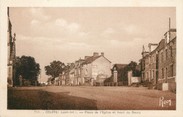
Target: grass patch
(37,99)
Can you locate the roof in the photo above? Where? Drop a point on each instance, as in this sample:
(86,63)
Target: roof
(161,44)
(71,71)
(93,58)
(171,30)
(78,63)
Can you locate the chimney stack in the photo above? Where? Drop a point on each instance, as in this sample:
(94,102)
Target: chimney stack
(87,57)
(102,53)
(149,45)
(95,54)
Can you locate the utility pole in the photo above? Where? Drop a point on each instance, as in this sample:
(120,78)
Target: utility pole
(169,28)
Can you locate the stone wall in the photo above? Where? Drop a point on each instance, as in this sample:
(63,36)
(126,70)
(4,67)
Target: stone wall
(101,66)
(167,62)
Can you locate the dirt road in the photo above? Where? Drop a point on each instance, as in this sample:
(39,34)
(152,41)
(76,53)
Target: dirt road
(90,98)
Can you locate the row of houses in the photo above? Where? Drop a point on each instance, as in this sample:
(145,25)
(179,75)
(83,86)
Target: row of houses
(88,71)
(158,63)
(96,70)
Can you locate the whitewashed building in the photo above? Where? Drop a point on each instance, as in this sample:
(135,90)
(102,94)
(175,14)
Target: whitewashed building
(90,70)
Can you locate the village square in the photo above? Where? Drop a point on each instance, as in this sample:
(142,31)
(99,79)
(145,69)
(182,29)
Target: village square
(95,80)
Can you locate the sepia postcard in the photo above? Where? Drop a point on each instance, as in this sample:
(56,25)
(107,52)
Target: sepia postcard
(91,58)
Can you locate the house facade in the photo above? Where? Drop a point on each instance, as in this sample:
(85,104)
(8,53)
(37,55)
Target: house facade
(90,70)
(150,63)
(167,58)
(159,65)
(96,69)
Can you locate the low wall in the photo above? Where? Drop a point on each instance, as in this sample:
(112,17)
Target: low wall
(135,80)
(171,86)
(124,83)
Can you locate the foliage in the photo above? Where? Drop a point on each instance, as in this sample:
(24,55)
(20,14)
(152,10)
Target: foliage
(124,72)
(54,69)
(27,67)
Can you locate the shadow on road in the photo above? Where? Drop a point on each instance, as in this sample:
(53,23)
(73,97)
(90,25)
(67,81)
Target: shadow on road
(38,99)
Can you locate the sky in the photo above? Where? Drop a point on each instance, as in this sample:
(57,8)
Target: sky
(69,33)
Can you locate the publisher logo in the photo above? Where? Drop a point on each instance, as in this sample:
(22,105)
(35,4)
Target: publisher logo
(164,103)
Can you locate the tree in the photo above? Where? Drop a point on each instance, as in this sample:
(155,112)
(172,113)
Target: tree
(27,67)
(54,69)
(131,66)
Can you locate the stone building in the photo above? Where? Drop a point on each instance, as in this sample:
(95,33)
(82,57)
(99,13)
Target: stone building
(167,58)
(11,53)
(71,74)
(150,63)
(159,65)
(96,68)
(78,72)
(90,70)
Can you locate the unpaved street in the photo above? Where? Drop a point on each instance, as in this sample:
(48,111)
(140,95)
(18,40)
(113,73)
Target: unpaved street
(87,97)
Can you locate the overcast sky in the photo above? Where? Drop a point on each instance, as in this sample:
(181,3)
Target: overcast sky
(67,34)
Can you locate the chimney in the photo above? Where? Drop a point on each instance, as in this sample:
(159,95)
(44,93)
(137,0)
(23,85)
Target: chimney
(87,57)
(8,11)
(102,53)
(152,46)
(149,45)
(95,54)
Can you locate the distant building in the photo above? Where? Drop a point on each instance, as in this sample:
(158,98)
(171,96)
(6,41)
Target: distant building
(11,53)
(90,70)
(159,65)
(96,68)
(77,76)
(70,74)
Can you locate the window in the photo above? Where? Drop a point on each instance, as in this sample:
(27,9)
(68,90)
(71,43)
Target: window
(79,72)
(171,52)
(171,70)
(162,71)
(166,53)
(9,72)
(152,74)
(143,75)
(166,72)
(86,72)
(161,56)
(149,60)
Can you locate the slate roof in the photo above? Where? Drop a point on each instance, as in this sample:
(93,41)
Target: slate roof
(90,59)
(93,58)
(160,46)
